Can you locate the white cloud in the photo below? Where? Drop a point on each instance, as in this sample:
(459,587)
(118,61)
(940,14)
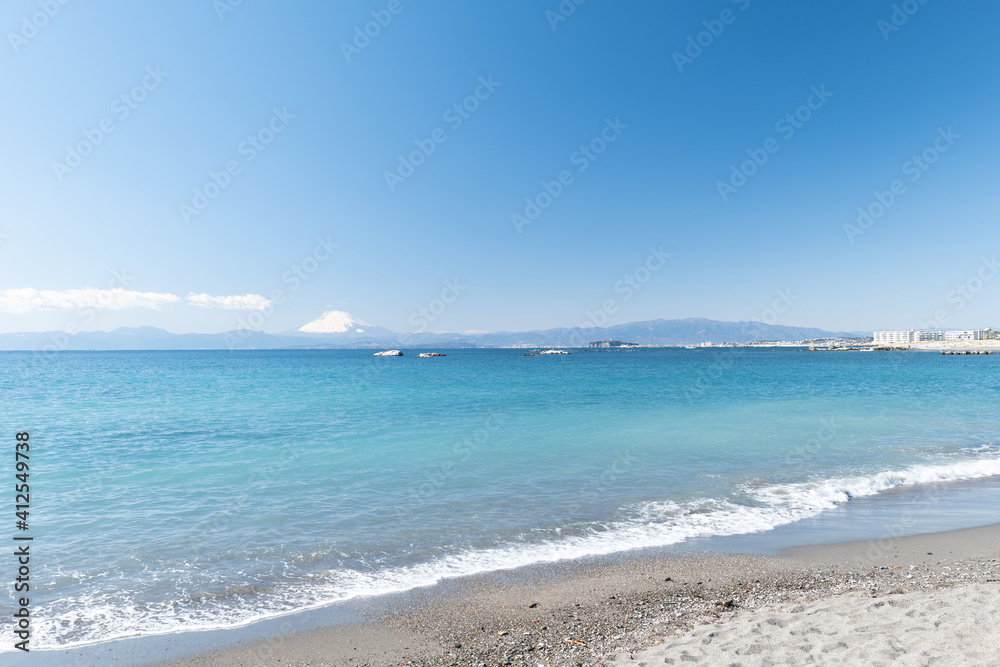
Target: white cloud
(235,302)
(27,299)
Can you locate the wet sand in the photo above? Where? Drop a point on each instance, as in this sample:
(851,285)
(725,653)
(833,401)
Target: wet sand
(911,600)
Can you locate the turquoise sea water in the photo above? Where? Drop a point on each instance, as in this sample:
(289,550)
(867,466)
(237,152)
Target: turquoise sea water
(175,491)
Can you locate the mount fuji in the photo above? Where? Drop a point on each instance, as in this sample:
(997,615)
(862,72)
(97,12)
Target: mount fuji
(344,324)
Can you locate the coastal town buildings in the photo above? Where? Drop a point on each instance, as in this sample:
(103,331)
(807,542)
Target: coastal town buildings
(916,336)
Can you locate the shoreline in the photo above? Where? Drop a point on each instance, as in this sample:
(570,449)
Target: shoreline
(413,626)
(587,612)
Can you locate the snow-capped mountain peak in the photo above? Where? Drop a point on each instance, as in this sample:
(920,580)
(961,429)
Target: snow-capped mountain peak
(335,321)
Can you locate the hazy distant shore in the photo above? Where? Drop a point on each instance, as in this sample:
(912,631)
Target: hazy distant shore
(924,597)
(951,345)
(991,345)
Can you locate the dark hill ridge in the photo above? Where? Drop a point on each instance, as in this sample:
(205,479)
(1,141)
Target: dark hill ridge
(691,331)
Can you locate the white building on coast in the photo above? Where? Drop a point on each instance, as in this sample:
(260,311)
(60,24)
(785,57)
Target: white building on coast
(965,335)
(905,337)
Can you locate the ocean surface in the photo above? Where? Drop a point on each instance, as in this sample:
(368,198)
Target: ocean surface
(176,491)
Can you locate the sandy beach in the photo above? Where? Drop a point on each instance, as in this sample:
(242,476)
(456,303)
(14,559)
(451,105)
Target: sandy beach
(927,599)
(955,626)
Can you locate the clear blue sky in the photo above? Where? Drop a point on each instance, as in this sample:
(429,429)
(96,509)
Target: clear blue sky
(198,81)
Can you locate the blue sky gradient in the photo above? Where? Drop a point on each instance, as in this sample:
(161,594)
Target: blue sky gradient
(338,118)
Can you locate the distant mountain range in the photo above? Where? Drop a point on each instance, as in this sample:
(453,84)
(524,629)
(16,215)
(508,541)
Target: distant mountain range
(337,329)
